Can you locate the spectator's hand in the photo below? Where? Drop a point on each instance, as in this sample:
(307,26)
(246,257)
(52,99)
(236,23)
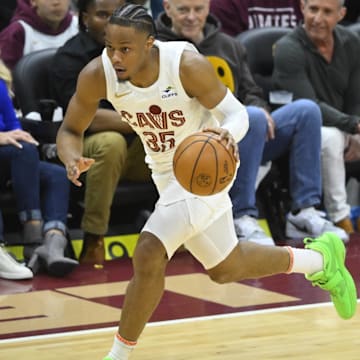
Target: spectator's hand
(77,167)
(271,126)
(14,136)
(226,135)
(352,152)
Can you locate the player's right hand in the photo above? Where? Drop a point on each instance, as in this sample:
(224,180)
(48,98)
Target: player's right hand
(224,134)
(75,168)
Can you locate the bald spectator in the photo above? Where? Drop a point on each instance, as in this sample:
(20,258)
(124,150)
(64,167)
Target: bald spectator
(320,61)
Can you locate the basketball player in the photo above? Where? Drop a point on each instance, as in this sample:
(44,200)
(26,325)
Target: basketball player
(141,77)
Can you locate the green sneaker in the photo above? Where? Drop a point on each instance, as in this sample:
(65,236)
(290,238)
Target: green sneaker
(107,358)
(335,278)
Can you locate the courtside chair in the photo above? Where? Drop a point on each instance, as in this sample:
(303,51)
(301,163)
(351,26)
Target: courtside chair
(259,44)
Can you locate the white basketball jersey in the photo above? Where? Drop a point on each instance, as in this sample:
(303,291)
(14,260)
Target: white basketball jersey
(161,114)
(36,40)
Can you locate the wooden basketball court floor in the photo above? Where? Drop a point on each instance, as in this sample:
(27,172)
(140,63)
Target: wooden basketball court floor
(279,317)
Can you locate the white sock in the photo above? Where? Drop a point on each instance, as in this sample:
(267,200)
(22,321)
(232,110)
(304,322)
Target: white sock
(305,261)
(121,348)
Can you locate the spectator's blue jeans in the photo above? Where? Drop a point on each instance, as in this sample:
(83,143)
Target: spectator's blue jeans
(41,188)
(298,132)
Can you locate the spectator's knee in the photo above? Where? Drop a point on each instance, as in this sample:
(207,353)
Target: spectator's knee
(108,145)
(55,175)
(29,151)
(332,144)
(257,121)
(311,111)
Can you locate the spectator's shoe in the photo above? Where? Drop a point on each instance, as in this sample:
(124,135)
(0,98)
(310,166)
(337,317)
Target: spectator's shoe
(32,235)
(248,229)
(93,250)
(107,358)
(32,232)
(334,278)
(50,256)
(346,225)
(10,269)
(310,222)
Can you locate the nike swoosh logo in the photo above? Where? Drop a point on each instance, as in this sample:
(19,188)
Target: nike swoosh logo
(117,95)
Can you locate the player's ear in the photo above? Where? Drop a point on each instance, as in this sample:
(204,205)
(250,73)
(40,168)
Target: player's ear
(150,41)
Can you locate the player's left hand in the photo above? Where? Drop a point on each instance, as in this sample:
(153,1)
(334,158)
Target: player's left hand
(229,139)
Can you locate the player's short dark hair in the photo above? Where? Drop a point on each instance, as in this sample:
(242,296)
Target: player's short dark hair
(135,16)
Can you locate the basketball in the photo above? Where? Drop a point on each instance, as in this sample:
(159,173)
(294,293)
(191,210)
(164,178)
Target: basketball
(203,165)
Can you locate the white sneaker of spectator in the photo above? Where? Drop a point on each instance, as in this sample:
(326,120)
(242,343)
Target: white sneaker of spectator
(310,222)
(248,229)
(10,269)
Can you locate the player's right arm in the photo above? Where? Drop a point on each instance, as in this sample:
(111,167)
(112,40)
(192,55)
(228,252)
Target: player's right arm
(199,80)
(82,107)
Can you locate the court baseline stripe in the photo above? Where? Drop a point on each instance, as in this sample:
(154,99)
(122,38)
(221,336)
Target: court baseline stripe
(170,322)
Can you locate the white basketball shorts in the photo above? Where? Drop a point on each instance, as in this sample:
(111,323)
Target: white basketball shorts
(203,224)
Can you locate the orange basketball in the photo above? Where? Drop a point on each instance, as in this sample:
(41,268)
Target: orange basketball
(203,165)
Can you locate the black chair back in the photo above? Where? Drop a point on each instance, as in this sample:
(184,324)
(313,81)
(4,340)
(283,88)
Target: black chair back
(31,80)
(33,94)
(259,44)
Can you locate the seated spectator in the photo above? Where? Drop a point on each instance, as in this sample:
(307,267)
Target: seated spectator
(119,154)
(320,61)
(237,16)
(7,8)
(36,25)
(294,128)
(41,190)
(10,269)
